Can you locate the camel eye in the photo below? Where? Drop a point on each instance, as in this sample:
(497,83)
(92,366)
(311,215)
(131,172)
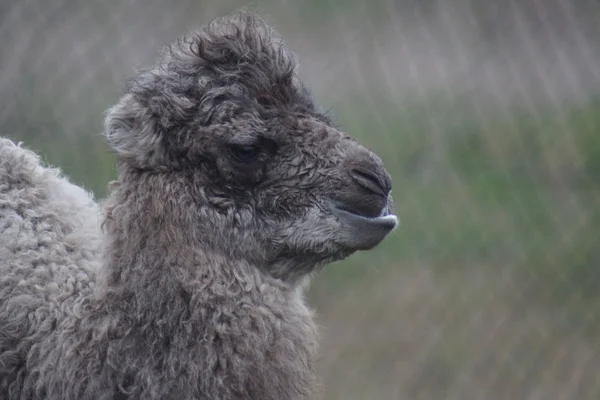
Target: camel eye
(244,153)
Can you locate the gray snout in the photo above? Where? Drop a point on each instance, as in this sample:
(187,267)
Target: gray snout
(368,186)
(364,205)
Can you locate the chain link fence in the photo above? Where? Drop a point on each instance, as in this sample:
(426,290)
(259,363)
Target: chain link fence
(487,115)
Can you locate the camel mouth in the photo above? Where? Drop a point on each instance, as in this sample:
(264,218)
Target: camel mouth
(363,232)
(384,220)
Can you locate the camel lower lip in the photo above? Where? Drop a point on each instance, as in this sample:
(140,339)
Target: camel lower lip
(385,220)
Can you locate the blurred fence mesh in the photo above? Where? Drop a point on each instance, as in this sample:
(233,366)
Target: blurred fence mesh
(487,115)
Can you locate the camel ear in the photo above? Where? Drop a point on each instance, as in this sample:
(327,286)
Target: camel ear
(132,133)
(145,127)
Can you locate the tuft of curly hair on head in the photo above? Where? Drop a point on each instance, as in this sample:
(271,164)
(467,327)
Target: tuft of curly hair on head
(236,58)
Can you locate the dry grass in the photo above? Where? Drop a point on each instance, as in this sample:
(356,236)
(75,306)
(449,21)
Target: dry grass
(415,334)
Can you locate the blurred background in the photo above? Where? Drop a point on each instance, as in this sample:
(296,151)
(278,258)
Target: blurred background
(487,115)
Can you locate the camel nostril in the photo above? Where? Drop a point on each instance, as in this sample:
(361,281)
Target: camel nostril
(370,181)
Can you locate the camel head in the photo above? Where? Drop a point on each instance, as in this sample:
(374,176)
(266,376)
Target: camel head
(222,147)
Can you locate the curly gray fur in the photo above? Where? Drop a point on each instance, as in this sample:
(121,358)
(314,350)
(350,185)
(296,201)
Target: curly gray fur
(233,187)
